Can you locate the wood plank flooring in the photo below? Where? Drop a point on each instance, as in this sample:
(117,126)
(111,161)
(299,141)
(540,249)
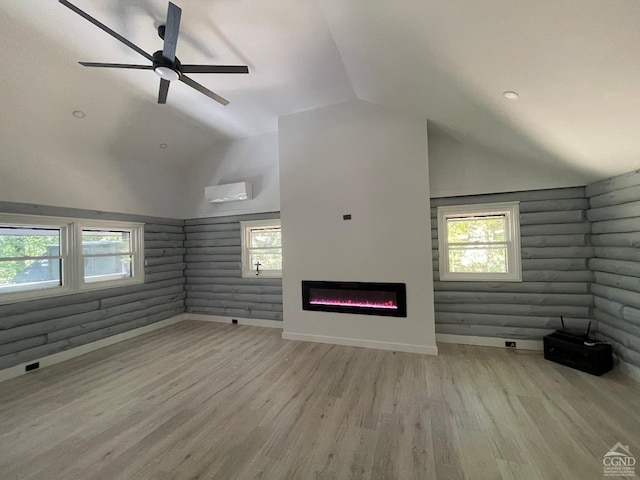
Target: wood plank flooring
(214,401)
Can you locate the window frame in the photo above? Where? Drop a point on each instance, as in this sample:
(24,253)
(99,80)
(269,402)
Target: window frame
(246,227)
(66,273)
(72,272)
(137,253)
(511,212)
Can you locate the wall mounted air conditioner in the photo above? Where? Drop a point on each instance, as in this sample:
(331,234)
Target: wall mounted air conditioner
(230,192)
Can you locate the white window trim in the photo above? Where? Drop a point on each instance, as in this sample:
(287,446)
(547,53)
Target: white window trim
(511,210)
(137,251)
(66,275)
(72,274)
(248,271)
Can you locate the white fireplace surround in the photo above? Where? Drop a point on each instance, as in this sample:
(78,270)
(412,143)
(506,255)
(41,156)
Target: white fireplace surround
(349,160)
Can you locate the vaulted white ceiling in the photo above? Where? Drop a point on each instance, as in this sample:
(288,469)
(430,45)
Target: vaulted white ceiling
(575,64)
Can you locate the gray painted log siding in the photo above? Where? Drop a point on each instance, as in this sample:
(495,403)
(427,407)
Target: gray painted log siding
(213,269)
(615,216)
(556,278)
(37,328)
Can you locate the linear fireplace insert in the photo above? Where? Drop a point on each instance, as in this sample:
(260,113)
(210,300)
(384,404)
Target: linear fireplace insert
(365,298)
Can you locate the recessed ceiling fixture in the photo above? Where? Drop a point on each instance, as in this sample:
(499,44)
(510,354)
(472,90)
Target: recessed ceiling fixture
(163,145)
(163,62)
(509,95)
(78,114)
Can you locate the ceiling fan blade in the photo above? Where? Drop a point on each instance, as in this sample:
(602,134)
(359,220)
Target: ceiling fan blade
(201,89)
(214,68)
(102,26)
(164,90)
(171,32)
(116,65)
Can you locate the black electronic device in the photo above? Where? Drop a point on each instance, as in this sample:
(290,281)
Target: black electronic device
(578,350)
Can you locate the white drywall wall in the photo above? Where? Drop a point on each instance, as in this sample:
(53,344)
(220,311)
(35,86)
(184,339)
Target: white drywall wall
(458,167)
(250,159)
(39,173)
(371,162)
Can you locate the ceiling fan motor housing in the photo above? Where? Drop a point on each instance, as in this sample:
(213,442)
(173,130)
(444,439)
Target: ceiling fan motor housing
(160,61)
(165,68)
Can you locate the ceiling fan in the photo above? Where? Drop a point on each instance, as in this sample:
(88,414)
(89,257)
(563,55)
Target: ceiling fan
(163,62)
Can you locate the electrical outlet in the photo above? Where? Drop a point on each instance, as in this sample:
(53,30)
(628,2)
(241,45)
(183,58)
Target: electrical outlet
(510,344)
(32,366)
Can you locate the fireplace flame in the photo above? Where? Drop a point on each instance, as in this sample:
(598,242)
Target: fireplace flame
(390,305)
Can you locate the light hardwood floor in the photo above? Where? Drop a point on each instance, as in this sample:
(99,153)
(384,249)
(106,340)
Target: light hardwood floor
(214,401)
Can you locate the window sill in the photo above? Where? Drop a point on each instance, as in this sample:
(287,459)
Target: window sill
(17,297)
(262,274)
(93,286)
(479,277)
(25,296)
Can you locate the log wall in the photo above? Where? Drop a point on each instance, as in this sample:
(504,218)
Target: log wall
(36,328)
(213,271)
(615,215)
(556,276)
(580,259)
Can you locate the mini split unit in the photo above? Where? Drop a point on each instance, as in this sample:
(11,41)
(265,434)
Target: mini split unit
(230,192)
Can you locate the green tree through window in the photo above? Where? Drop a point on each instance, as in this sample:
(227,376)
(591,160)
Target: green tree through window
(21,243)
(479,242)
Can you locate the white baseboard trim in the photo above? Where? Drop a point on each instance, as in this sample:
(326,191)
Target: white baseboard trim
(489,341)
(355,342)
(630,370)
(254,322)
(19,369)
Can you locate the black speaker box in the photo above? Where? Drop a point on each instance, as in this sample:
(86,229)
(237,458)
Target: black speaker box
(570,350)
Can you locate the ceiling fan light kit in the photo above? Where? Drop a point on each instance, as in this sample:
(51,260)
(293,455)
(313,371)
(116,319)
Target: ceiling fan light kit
(167,73)
(164,62)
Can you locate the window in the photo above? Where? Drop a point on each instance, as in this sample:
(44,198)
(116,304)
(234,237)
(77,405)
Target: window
(47,256)
(261,248)
(32,258)
(110,253)
(480,242)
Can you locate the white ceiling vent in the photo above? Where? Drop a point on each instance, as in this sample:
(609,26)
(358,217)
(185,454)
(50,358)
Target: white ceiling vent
(230,192)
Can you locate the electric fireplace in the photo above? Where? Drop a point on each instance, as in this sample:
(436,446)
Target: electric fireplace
(365,298)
